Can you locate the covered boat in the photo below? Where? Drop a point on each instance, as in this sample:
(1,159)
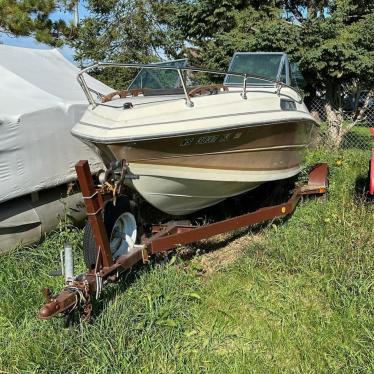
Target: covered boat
(40,101)
(190,146)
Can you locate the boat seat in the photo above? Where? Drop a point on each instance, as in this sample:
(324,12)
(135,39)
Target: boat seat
(211,89)
(122,94)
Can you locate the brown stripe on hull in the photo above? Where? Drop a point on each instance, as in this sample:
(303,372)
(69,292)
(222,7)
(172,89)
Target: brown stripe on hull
(266,147)
(247,161)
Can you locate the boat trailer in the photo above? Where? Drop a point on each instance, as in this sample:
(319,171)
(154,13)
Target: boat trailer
(79,290)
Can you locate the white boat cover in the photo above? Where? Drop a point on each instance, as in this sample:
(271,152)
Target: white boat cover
(40,101)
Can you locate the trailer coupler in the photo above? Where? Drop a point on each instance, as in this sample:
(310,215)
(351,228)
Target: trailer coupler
(73,297)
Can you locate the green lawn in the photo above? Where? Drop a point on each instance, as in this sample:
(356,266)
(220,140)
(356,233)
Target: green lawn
(298,299)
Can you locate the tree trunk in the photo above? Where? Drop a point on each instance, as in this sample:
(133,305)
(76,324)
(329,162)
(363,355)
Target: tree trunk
(335,131)
(334,116)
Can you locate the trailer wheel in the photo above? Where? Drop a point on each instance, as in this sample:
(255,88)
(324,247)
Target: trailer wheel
(121,228)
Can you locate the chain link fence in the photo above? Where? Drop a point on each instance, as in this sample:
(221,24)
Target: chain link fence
(359,136)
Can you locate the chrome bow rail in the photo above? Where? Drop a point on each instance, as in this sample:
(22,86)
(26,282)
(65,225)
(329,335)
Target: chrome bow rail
(88,91)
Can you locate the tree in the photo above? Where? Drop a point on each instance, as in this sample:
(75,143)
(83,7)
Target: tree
(126,31)
(33,18)
(336,55)
(248,26)
(133,29)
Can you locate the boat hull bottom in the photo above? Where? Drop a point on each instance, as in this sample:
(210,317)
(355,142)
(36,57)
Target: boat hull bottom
(179,196)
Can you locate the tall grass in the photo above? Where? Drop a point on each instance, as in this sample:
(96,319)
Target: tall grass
(299,300)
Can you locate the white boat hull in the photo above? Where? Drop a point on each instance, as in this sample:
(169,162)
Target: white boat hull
(179,191)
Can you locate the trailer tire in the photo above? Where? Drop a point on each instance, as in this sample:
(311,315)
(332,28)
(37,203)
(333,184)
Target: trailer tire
(89,247)
(110,214)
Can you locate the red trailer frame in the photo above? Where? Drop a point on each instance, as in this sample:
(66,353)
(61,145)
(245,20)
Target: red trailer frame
(78,292)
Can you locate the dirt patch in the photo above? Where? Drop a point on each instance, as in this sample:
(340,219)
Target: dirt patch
(230,248)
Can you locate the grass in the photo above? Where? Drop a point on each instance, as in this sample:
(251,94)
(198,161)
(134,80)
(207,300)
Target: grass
(299,299)
(358,137)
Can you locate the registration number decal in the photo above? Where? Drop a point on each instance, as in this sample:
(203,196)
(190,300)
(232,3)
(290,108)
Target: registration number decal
(187,141)
(209,139)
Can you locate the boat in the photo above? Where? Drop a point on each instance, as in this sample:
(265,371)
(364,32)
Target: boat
(191,146)
(40,102)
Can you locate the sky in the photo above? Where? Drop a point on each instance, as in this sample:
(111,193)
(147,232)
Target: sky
(29,42)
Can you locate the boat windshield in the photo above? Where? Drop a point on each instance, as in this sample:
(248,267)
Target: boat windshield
(158,79)
(297,79)
(262,69)
(267,65)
